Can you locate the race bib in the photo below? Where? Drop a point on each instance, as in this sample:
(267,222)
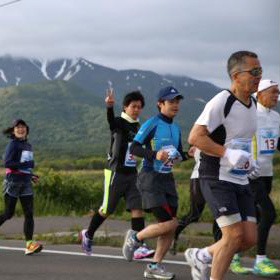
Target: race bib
(26,156)
(173,157)
(240,144)
(268,138)
(130,160)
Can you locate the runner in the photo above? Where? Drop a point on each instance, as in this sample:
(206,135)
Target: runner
(223,133)
(268,122)
(197,204)
(121,172)
(162,140)
(18,161)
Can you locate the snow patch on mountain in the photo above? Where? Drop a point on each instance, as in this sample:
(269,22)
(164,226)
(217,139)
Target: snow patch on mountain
(18,79)
(166,80)
(71,73)
(3,76)
(61,70)
(200,100)
(44,65)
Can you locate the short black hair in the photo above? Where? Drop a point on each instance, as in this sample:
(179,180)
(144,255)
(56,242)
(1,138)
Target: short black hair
(133,96)
(236,60)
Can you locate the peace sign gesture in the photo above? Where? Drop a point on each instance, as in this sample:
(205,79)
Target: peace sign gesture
(109,99)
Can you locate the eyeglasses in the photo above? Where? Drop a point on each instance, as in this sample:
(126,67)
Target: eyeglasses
(255,72)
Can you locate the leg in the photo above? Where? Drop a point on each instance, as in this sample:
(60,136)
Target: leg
(10,205)
(261,188)
(163,243)
(217,233)
(223,250)
(197,204)
(267,211)
(27,207)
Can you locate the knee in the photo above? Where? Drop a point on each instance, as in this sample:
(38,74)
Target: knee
(103,215)
(29,215)
(9,214)
(251,241)
(233,239)
(169,226)
(269,216)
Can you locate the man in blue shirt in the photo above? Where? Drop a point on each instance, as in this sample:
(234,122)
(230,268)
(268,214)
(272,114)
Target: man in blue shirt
(162,140)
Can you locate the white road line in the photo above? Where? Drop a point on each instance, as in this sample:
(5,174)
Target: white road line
(83,255)
(94,255)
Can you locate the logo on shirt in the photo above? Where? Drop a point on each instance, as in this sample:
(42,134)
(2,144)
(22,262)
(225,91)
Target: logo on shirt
(222,209)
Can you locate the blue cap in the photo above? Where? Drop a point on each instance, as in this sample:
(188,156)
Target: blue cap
(169,93)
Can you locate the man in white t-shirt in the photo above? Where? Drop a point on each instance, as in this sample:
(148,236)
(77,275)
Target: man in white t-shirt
(223,133)
(267,135)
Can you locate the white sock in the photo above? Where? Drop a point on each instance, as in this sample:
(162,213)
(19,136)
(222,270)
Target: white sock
(260,258)
(204,255)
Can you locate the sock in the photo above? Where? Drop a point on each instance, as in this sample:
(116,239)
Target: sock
(204,255)
(153,264)
(260,258)
(137,224)
(236,255)
(136,239)
(95,223)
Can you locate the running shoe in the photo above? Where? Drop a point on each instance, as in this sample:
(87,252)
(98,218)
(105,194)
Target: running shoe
(236,266)
(130,245)
(85,242)
(199,269)
(143,252)
(265,268)
(32,247)
(157,271)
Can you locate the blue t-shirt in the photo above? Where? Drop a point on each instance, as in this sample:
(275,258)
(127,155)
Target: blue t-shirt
(159,133)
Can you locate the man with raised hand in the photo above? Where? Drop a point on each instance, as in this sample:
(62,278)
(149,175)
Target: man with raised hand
(121,172)
(162,140)
(223,133)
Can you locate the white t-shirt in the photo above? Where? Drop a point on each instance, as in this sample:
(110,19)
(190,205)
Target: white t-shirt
(230,123)
(196,156)
(268,122)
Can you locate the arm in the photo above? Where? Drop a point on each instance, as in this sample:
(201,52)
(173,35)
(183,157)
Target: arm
(199,138)
(110,101)
(111,118)
(144,135)
(182,153)
(137,150)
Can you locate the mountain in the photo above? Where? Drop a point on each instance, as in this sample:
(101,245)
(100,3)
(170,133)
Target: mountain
(63,99)
(63,118)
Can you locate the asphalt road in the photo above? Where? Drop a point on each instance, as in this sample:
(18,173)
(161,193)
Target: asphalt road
(68,262)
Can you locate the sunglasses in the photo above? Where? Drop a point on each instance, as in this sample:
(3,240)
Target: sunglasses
(255,72)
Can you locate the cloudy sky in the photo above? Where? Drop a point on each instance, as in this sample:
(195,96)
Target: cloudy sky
(184,37)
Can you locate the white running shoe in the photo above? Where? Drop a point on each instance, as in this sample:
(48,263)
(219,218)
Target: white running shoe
(199,270)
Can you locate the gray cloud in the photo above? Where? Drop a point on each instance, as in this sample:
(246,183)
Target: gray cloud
(192,38)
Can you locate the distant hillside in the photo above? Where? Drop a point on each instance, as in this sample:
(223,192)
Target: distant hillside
(64,99)
(63,117)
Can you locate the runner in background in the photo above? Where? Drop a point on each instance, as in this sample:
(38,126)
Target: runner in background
(121,172)
(162,140)
(197,204)
(18,161)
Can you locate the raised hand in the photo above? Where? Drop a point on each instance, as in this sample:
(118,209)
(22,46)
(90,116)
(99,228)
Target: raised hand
(109,99)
